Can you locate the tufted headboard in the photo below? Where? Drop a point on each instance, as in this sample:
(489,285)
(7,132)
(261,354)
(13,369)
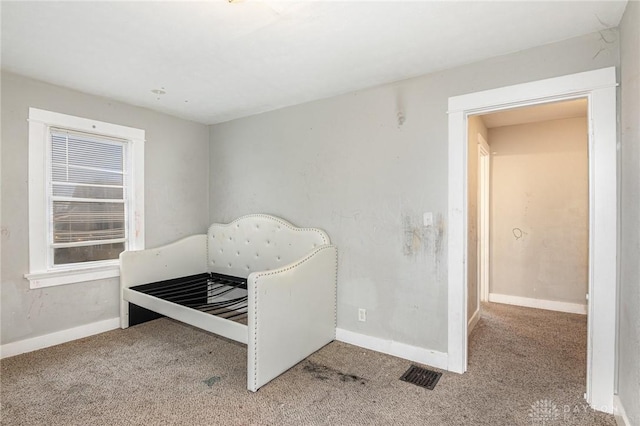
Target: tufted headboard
(258,242)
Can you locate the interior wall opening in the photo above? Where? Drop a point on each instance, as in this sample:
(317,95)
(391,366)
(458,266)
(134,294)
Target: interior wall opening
(599,87)
(528,217)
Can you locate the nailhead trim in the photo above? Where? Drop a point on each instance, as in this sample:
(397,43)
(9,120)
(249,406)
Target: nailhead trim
(278,271)
(294,265)
(280,223)
(335,299)
(255,334)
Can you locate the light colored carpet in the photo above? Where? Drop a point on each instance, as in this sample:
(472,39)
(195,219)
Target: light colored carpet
(167,373)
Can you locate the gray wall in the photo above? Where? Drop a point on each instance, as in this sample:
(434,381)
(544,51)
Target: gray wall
(176,202)
(629,306)
(353,167)
(540,210)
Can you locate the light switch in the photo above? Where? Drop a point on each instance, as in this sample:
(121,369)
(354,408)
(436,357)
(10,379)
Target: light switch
(428,219)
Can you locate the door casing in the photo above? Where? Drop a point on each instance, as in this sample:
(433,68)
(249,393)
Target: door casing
(599,88)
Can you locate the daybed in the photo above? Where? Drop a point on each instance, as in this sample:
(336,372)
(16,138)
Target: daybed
(258,280)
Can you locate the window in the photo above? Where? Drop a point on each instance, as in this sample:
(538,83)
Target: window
(86,197)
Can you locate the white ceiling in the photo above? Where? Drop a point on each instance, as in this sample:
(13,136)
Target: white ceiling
(534,114)
(218,61)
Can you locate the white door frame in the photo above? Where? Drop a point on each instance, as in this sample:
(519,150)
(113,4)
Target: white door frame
(484,180)
(599,87)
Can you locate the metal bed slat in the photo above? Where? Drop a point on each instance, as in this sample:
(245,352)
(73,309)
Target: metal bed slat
(202,292)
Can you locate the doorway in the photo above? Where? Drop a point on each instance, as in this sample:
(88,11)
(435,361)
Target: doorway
(539,225)
(599,89)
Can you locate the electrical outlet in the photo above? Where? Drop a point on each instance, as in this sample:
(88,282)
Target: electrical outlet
(362,315)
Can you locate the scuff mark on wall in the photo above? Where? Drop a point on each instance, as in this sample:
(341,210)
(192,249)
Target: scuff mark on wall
(414,237)
(426,240)
(439,236)
(35,304)
(517,233)
(400,109)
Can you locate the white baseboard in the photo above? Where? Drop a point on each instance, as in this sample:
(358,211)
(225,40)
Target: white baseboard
(619,413)
(402,350)
(473,321)
(550,305)
(52,339)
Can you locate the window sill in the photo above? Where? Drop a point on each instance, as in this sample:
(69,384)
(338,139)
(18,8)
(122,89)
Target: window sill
(71,276)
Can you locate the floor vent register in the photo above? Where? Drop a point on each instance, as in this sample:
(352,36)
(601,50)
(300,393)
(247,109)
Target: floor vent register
(421,377)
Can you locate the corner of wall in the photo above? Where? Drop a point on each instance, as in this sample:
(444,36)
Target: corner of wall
(628,321)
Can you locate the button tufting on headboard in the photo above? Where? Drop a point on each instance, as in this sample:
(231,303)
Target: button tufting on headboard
(279,243)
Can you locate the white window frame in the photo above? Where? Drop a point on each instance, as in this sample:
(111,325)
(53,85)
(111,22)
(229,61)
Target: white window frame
(41,273)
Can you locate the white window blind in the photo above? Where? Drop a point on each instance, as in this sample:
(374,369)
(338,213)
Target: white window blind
(88,193)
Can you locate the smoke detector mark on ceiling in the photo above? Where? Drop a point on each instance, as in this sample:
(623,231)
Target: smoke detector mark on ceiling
(158,92)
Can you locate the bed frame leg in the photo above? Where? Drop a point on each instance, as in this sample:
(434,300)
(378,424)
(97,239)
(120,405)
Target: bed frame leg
(138,315)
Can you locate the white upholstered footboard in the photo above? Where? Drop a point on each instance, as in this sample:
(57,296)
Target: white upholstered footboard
(291,278)
(292,313)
